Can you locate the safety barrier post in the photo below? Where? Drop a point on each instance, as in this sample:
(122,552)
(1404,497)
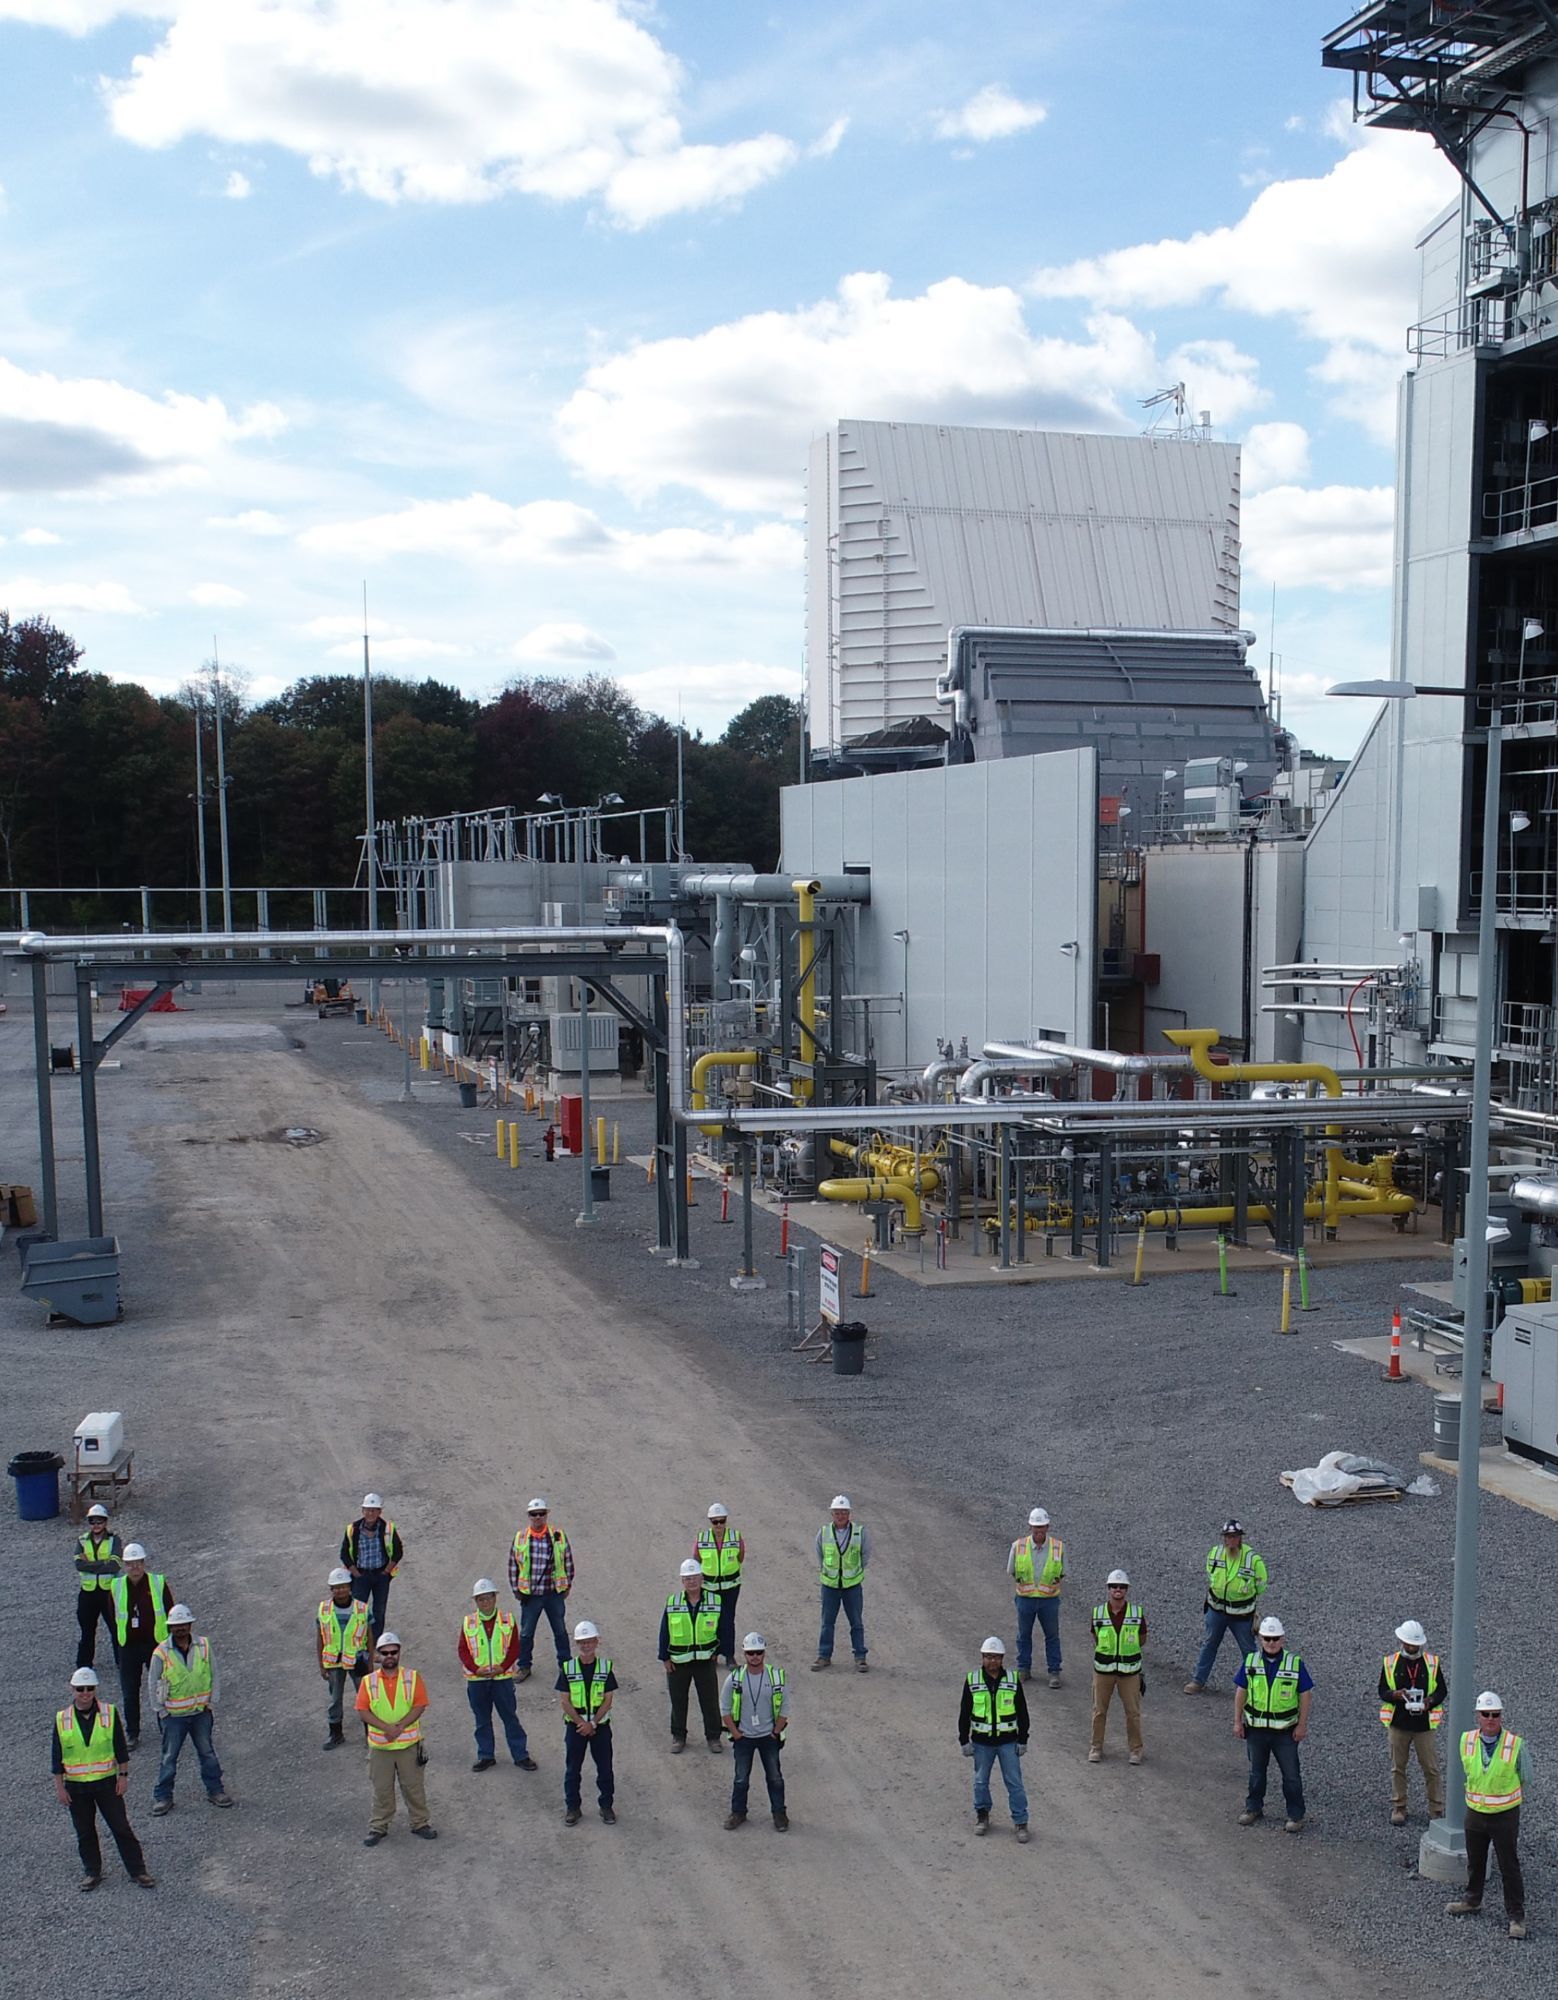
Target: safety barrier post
(649,1171)
(1141,1256)
(600,1142)
(1303,1284)
(514,1143)
(616,1145)
(784,1228)
(1394,1373)
(1287,1300)
(691,1200)
(941,1244)
(503,1141)
(724,1197)
(865,1291)
(1223,1289)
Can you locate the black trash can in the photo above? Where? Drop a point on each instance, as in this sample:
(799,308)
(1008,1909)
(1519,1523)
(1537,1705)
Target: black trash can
(600,1183)
(849,1347)
(37,1476)
(467,1097)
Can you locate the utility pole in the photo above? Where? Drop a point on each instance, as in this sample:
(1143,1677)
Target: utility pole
(221,792)
(200,811)
(370,852)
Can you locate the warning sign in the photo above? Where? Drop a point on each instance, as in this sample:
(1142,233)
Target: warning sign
(828,1267)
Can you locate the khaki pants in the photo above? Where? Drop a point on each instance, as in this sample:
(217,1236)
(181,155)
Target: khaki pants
(1128,1686)
(384,1767)
(1424,1744)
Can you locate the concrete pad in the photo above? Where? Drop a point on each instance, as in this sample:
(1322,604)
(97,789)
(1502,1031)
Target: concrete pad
(1504,1473)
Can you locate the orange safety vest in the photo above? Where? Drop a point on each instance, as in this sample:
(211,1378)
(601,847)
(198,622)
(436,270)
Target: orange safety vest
(386,1707)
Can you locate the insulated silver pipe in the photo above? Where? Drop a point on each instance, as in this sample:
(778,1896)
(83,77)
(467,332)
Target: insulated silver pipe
(1029,1062)
(115,944)
(1536,1198)
(1080,1058)
(930,1077)
(753,888)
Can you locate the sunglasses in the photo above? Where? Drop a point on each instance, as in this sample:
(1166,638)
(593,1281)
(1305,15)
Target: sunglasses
(538,1513)
(1490,1711)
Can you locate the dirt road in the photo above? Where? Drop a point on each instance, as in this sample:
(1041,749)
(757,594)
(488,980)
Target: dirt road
(335,1323)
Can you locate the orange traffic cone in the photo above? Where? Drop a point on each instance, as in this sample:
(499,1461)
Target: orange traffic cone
(1393,1372)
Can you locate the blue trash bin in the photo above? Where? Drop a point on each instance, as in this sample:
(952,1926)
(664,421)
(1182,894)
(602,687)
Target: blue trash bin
(37,1476)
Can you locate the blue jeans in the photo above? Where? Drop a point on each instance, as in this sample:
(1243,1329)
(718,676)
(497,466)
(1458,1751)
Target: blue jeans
(851,1596)
(530,1609)
(372,1589)
(746,1748)
(1217,1623)
(1263,1745)
(575,1749)
(487,1696)
(986,1757)
(1047,1611)
(197,1728)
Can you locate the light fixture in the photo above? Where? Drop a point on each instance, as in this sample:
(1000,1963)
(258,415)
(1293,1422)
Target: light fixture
(1497,1232)
(609,799)
(1071,947)
(1532,628)
(1519,821)
(1537,429)
(1171,773)
(900,937)
(550,799)
(1419,1131)
(1123,813)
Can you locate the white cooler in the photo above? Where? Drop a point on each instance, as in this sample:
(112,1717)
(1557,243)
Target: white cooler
(99,1438)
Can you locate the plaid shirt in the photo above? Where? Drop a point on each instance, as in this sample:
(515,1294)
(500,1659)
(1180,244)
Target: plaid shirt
(541,1584)
(370,1547)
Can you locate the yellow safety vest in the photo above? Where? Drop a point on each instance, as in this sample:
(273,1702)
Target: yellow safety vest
(186,1687)
(524,1542)
(120,1586)
(1234,1582)
(87,1754)
(338,1647)
(488,1651)
(1051,1570)
(1494,1786)
(721,1560)
(1388,1710)
(1117,1652)
(1003,1720)
(842,1568)
(103,1551)
(692,1631)
(384,1707)
(586,1695)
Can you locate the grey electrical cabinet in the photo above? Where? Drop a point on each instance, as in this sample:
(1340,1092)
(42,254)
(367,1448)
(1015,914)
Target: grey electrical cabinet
(1525,1360)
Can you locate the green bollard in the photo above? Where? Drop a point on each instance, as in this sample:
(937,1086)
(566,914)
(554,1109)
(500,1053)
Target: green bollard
(1303,1285)
(1223,1291)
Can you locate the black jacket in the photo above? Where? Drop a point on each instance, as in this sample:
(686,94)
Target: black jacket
(966,1730)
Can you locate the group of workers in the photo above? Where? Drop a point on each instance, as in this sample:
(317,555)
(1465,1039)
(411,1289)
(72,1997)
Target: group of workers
(153,1634)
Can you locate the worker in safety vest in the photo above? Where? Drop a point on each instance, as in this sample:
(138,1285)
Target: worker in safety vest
(489,1659)
(586,1687)
(373,1550)
(755,1708)
(541,1576)
(1497,1768)
(1119,1642)
(1235,1581)
(1272,1693)
(90,1758)
(1036,1565)
(720,1554)
(689,1640)
(993,1729)
(843,1551)
(392,1702)
(184,1689)
(344,1645)
(141,1601)
(98,1556)
(1412,1695)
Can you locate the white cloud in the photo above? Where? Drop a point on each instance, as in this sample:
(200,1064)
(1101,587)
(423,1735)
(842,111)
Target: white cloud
(1273,454)
(31,596)
(563,641)
(1334,253)
(1333,537)
(387,642)
(991,113)
(441,100)
(708,696)
(40,538)
(238,187)
(218,595)
(82,17)
(729,411)
(253,521)
(825,147)
(1218,378)
(483,530)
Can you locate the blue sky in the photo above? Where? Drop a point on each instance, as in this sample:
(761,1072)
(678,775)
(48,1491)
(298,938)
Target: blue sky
(524,311)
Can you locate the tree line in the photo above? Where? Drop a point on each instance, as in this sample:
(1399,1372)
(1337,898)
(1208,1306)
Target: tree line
(98,787)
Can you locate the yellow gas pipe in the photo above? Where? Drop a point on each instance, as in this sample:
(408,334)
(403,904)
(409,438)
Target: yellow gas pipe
(806,995)
(889,1162)
(878,1190)
(717,1059)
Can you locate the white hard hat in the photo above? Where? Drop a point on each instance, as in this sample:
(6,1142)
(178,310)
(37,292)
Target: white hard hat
(83,1677)
(1119,1576)
(181,1615)
(538,1506)
(372,1500)
(994,1645)
(754,1642)
(484,1587)
(97,1513)
(388,1639)
(690,1568)
(585,1630)
(339,1575)
(1272,1628)
(840,1500)
(1488,1703)
(1038,1518)
(135,1553)
(1411,1633)
(719,1511)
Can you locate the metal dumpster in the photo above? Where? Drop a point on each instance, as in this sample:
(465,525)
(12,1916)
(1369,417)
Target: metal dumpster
(78,1279)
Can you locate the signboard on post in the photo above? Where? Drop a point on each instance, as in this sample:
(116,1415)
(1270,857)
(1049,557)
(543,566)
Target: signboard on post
(829,1263)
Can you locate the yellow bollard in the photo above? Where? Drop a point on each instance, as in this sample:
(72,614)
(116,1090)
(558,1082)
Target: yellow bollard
(649,1171)
(616,1145)
(1287,1302)
(514,1144)
(502,1138)
(691,1199)
(865,1273)
(600,1142)
(422,1052)
(1141,1254)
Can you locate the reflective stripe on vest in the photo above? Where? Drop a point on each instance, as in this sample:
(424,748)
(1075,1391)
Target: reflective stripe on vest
(776,1692)
(97,1552)
(120,1586)
(383,1708)
(1388,1709)
(721,1560)
(1005,1723)
(186,1688)
(841,1568)
(1047,1582)
(1271,1701)
(488,1651)
(1117,1652)
(340,1648)
(90,1755)
(586,1695)
(524,1542)
(1494,1786)
(692,1634)
(1233,1584)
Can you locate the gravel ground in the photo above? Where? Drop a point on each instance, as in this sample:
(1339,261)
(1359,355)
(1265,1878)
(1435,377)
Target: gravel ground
(1141,1419)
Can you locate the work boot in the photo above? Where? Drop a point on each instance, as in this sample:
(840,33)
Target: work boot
(1023,1674)
(522,1674)
(1195,1687)
(526,1763)
(1054,1680)
(144,1881)
(862,1665)
(1022,1832)
(1095,1756)
(573,1816)
(1462,1908)
(89,1883)
(819,1663)
(161,1807)
(1398,1815)
(781,1822)
(484,1763)
(1517,1927)
(1248,1818)
(1292,1826)
(716,1748)
(735,1820)
(220,1799)
(1135,1757)
(608,1816)
(134,1743)
(982,1819)
(373,1839)
(424,1833)
(334,1740)
(678,1745)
